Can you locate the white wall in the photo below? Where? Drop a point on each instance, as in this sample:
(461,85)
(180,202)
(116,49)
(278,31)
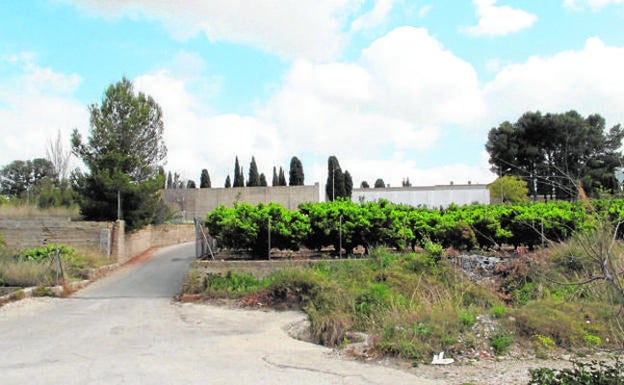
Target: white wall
(432,197)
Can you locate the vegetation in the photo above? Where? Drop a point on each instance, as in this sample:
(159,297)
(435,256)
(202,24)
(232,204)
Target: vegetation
(415,305)
(254,176)
(239,178)
(552,152)
(204,180)
(509,188)
(39,267)
(296,176)
(339,184)
(124,154)
(592,373)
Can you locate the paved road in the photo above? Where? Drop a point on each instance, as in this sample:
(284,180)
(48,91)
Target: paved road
(125,329)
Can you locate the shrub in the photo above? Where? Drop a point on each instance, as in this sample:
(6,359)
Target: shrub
(594,373)
(500,341)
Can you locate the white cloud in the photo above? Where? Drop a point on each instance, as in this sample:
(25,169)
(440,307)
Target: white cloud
(34,106)
(593,4)
(499,20)
(374,17)
(312,29)
(588,80)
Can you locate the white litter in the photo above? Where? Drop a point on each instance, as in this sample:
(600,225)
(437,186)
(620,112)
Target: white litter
(438,359)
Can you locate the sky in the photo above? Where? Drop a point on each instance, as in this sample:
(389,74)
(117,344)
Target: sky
(394,89)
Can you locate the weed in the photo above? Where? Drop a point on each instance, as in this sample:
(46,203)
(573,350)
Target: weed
(498,311)
(501,341)
(466,318)
(43,291)
(544,342)
(592,341)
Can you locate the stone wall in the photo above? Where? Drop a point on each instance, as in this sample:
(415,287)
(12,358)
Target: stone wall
(198,202)
(139,241)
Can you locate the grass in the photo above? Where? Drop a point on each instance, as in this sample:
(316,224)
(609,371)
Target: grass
(22,211)
(16,270)
(413,306)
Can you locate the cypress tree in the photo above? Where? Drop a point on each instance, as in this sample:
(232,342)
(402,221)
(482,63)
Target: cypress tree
(364,184)
(348,185)
(296,172)
(228,182)
(254,178)
(282,177)
(379,183)
(263,181)
(335,186)
(275,181)
(239,179)
(204,179)
(191,184)
(169,180)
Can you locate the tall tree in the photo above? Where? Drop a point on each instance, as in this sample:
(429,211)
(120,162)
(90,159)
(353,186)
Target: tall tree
(275,181)
(553,153)
(123,153)
(20,177)
(379,183)
(204,179)
(58,157)
(263,180)
(239,179)
(335,186)
(254,177)
(348,183)
(281,177)
(296,176)
(169,180)
(228,182)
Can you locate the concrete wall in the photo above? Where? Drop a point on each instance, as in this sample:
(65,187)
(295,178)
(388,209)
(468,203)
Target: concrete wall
(20,234)
(198,202)
(434,196)
(107,238)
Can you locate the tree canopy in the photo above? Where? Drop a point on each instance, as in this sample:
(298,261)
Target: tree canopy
(554,153)
(124,152)
(339,184)
(21,176)
(254,177)
(239,178)
(379,183)
(509,188)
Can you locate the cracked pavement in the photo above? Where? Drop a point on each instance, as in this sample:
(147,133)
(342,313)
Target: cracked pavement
(126,329)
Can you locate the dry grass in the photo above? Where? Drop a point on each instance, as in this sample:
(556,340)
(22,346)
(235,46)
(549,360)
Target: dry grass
(27,211)
(26,273)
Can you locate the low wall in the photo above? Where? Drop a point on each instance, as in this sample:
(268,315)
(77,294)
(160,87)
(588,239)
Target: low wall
(107,238)
(198,202)
(139,241)
(20,234)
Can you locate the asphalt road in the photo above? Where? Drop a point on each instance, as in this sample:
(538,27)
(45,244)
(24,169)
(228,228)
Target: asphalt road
(125,329)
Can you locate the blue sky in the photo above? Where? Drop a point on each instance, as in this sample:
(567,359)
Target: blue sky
(393,88)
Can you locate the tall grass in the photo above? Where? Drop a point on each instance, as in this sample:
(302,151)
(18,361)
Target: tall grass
(23,211)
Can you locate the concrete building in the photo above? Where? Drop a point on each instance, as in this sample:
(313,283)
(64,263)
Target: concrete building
(429,196)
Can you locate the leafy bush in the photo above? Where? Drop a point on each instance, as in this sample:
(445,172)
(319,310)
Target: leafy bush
(593,373)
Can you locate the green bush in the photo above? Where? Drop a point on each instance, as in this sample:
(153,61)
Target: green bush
(501,341)
(593,373)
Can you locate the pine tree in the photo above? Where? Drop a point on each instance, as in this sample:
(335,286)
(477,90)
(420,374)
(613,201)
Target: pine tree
(263,181)
(239,179)
(204,180)
(191,184)
(254,178)
(282,177)
(296,172)
(228,182)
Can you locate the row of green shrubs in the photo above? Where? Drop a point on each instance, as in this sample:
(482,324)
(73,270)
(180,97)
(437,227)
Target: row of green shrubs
(349,224)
